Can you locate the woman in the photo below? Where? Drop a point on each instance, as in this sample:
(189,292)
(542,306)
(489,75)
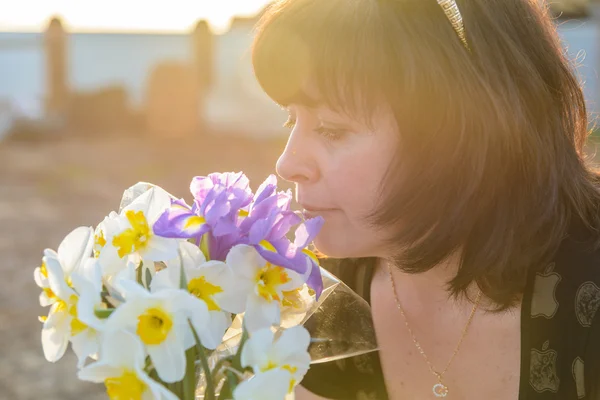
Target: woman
(442,143)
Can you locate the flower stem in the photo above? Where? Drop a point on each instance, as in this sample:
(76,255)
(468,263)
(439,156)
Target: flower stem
(189,381)
(209,393)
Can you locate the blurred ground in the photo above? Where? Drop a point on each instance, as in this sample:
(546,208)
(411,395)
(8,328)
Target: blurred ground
(47,189)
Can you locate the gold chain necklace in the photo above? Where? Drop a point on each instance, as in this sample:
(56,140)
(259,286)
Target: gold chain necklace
(439,389)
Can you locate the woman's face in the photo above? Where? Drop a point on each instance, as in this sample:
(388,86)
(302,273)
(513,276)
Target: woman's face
(337,164)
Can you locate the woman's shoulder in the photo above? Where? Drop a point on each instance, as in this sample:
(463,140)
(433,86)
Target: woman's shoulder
(562,319)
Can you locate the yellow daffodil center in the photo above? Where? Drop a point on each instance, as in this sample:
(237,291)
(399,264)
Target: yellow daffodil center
(154,326)
(268,280)
(194,222)
(49,293)
(99,243)
(293,298)
(61,306)
(125,387)
(76,325)
(44,270)
(205,292)
(135,238)
(267,246)
(270,365)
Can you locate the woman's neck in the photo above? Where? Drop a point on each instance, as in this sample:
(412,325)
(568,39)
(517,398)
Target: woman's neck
(426,291)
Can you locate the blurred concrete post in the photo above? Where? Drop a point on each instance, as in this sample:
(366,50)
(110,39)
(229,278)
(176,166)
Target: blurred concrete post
(567,9)
(172,101)
(203,43)
(57,86)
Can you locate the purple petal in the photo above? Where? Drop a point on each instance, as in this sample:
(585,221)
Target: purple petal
(284,223)
(315,280)
(306,232)
(297,264)
(266,189)
(200,187)
(220,246)
(225,227)
(259,231)
(180,226)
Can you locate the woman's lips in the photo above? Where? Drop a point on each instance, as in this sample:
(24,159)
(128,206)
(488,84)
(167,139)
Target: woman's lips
(311,212)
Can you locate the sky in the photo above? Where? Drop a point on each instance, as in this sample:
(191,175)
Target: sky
(124,15)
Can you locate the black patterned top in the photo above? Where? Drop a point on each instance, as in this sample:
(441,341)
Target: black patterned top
(560,333)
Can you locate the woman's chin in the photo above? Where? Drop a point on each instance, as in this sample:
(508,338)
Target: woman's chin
(333,248)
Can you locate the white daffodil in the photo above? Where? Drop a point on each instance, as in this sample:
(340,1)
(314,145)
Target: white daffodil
(121,368)
(270,385)
(212,282)
(86,332)
(73,252)
(160,320)
(264,284)
(56,272)
(289,352)
(111,264)
(135,237)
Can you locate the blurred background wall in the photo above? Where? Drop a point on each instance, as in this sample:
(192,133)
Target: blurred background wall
(158,84)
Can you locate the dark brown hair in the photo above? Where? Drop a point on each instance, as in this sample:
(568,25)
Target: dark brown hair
(491,158)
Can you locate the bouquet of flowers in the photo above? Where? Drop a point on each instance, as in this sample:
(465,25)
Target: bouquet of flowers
(165,300)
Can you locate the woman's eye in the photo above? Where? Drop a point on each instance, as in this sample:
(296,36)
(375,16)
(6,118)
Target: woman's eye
(331,134)
(290,123)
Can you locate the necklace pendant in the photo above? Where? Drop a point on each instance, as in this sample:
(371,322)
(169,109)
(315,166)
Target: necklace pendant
(440,390)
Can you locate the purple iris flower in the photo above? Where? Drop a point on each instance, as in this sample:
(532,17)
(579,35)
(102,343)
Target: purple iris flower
(226,211)
(267,225)
(218,201)
(305,234)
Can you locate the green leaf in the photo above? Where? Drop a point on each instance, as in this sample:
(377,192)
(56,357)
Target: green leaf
(103,313)
(138,275)
(182,279)
(148,278)
(204,246)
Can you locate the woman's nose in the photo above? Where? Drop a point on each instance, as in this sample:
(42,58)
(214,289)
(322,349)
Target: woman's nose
(297,163)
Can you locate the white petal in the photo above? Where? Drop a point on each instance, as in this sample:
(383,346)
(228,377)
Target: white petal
(292,341)
(191,255)
(55,340)
(260,313)
(245,261)
(271,385)
(160,248)
(255,352)
(76,247)
(97,372)
(122,349)
(159,392)
(89,300)
(211,334)
(56,279)
(168,358)
(110,262)
(40,279)
(168,278)
(85,344)
(46,301)
(132,290)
